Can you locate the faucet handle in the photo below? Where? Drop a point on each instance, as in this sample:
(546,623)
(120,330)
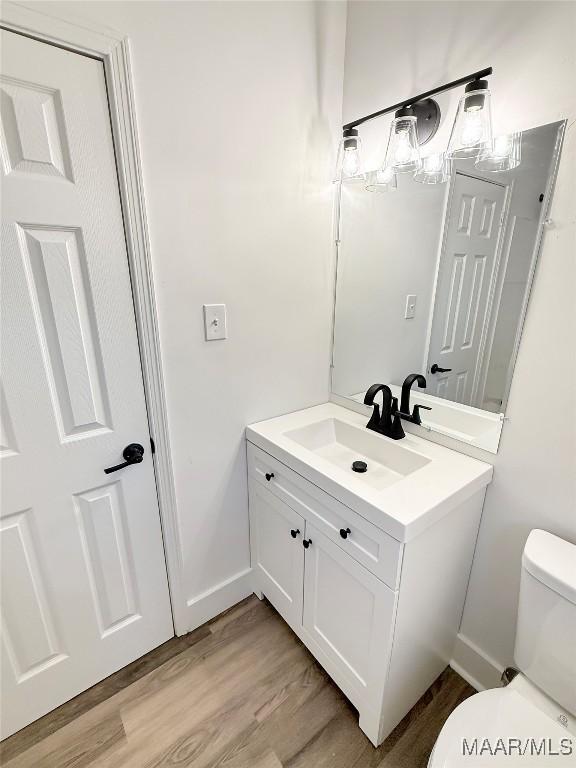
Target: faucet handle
(414,417)
(416,413)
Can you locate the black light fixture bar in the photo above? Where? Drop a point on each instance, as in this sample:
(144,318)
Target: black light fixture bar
(426,95)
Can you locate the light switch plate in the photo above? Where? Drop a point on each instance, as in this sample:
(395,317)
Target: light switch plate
(215,322)
(410,306)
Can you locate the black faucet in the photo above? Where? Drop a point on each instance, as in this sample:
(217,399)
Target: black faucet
(387,423)
(405,414)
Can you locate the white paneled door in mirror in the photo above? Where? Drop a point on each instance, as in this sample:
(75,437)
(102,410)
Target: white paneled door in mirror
(464,288)
(84,588)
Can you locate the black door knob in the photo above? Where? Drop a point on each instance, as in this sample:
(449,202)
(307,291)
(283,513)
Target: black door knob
(306,543)
(269,476)
(344,532)
(436,369)
(133,454)
(294,533)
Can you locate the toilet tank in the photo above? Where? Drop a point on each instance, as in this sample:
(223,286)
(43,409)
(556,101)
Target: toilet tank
(545,648)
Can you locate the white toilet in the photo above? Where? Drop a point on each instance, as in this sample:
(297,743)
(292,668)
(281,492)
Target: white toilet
(540,702)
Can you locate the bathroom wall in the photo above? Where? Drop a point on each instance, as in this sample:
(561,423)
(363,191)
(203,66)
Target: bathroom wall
(394,49)
(238,108)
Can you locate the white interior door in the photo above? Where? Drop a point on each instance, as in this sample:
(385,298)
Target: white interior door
(84,588)
(466,270)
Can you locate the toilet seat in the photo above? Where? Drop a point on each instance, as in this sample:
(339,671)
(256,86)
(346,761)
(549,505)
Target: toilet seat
(500,714)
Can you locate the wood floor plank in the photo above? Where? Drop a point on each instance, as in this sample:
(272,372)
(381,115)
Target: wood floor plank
(310,676)
(233,616)
(301,717)
(213,686)
(233,668)
(335,746)
(205,743)
(265,759)
(85,740)
(89,699)
(240,692)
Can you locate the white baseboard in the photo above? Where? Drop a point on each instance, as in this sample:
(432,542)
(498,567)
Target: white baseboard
(474,665)
(209,604)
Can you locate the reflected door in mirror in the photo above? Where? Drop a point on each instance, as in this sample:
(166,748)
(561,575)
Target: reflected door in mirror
(465,288)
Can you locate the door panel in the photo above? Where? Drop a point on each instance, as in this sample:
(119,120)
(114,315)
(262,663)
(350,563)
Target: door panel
(465,279)
(84,588)
(278,557)
(348,613)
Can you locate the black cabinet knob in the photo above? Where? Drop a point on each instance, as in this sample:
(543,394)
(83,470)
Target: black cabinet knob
(344,532)
(294,533)
(306,543)
(269,476)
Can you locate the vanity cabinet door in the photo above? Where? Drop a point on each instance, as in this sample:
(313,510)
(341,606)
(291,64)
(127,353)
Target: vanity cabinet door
(277,552)
(348,615)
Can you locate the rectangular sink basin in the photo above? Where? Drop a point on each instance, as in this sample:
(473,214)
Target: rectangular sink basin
(342,444)
(409,484)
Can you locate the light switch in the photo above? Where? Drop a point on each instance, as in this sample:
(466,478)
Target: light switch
(410,307)
(215,321)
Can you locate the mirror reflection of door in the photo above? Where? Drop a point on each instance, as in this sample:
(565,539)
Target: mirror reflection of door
(433,276)
(465,288)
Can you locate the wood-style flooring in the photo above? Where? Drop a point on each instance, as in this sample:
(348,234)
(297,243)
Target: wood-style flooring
(240,692)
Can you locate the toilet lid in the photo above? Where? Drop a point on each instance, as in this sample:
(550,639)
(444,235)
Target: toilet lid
(499,727)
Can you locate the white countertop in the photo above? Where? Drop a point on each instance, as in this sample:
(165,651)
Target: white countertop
(403,509)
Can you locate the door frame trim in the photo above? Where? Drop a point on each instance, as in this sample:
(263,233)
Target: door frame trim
(113,49)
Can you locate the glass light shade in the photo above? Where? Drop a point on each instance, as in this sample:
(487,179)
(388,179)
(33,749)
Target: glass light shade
(349,161)
(472,129)
(504,154)
(435,169)
(383,180)
(403,154)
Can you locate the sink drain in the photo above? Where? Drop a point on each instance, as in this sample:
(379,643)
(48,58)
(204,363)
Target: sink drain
(359,466)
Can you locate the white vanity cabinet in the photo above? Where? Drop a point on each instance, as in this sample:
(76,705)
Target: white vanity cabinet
(380,615)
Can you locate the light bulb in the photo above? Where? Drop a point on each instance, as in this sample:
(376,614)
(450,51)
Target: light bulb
(351,162)
(472,130)
(403,150)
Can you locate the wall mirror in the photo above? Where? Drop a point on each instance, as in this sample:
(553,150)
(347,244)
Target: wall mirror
(436,279)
